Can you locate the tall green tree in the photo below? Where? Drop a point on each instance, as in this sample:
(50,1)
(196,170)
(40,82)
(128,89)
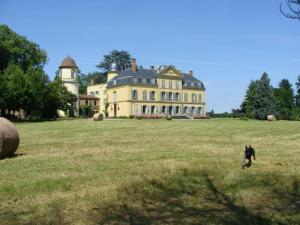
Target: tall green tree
(122,58)
(285,97)
(16,49)
(36,83)
(265,103)
(260,100)
(56,97)
(248,105)
(14,88)
(297,97)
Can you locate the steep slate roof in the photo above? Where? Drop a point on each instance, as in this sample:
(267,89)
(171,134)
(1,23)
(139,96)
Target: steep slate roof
(127,77)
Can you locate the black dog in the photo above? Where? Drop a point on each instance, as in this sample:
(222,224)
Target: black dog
(249,152)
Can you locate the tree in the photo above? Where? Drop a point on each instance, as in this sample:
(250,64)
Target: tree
(285,97)
(56,97)
(36,83)
(84,80)
(260,100)
(265,103)
(292,9)
(122,58)
(248,105)
(14,88)
(16,49)
(297,97)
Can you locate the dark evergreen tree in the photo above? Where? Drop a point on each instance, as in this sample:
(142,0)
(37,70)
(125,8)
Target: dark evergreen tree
(260,100)
(122,58)
(248,105)
(298,92)
(285,97)
(265,102)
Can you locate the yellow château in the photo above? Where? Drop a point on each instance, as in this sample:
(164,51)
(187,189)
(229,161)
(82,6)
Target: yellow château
(161,91)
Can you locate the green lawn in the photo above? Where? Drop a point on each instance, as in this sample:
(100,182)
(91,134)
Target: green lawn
(152,172)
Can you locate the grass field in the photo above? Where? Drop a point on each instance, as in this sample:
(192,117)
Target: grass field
(152,172)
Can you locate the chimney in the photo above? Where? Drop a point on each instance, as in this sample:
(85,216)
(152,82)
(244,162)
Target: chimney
(133,65)
(92,81)
(191,72)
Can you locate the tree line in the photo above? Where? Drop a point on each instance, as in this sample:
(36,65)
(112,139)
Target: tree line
(262,99)
(24,85)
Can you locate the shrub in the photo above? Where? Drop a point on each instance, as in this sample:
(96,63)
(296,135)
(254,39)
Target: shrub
(122,117)
(131,116)
(201,117)
(168,118)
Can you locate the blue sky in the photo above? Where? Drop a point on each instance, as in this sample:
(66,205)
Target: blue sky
(226,42)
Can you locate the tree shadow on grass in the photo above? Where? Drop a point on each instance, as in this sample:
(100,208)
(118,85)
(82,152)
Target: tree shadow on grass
(181,199)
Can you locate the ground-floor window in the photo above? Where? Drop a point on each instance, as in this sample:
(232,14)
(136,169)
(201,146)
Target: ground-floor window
(193,110)
(144,109)
(135,109)
(185,109)
(177,111)
(153,109)
(199,110)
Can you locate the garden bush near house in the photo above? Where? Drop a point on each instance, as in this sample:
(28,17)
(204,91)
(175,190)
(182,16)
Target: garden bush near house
(123,117)
(85,111)
(131,117)
(168,118)
(201,117)
(147,117)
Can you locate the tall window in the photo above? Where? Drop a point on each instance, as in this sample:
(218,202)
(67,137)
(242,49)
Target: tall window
(199,98)
(134,94)
(152,95)
(185,97)
(193,97)
(170,84)
(163,96)
(145,95)
(176,97)
(170,96)
(153,109)
(177,84)
(162,83)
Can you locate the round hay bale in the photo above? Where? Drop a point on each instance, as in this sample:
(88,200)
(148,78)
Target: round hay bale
(9,138)
(98,117)
(271,118)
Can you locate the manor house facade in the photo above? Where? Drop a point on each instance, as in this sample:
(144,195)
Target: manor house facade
(161,91)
